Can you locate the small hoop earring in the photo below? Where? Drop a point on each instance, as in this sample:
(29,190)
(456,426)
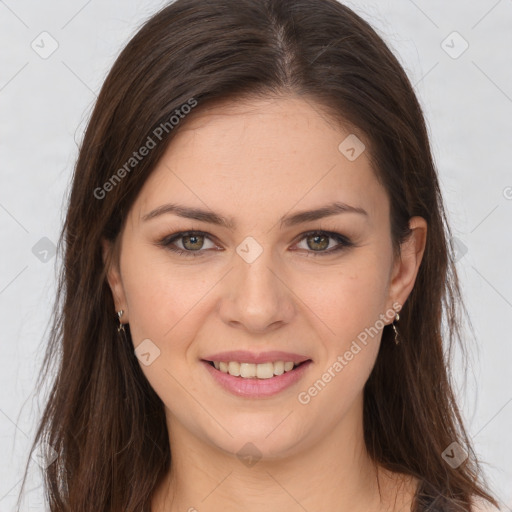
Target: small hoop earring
(119,315)
(396,319)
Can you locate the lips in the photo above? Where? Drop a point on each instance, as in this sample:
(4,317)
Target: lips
(255,387)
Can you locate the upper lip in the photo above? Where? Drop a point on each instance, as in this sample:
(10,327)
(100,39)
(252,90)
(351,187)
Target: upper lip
(244,356)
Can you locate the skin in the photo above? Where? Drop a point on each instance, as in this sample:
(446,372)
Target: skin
(255,162)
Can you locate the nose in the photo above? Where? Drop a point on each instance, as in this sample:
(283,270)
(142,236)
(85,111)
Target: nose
(256,296)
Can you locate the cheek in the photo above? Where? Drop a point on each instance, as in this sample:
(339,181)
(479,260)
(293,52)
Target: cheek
(159,295)
(164,304)
(350,298)
(350,304)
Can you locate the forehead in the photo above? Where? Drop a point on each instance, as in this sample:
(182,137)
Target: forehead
(261,157)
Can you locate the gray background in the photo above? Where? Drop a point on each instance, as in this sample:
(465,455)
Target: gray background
(44,106)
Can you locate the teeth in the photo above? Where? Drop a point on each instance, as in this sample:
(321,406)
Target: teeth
(278,368)
(248,370)
(233,368)
(251,370)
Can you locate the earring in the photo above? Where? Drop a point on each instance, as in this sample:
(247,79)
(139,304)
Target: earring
(121,326)
(396,319)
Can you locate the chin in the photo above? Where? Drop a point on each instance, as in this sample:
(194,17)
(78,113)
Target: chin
(262,440)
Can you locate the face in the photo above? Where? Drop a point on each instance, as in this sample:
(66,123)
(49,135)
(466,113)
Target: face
(316,288)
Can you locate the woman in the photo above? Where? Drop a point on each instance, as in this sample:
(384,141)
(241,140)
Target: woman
(257,267)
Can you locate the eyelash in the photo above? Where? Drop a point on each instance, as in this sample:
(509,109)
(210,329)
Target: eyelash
(343,242)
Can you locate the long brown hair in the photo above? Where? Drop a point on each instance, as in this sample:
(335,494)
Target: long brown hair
(102,418)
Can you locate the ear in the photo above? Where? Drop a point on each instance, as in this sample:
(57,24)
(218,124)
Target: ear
(405,269)
(111,262)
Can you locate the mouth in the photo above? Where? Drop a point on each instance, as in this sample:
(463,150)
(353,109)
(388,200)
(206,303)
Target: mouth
(256,371)
(256,376)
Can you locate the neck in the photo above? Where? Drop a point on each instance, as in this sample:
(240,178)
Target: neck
(334,474)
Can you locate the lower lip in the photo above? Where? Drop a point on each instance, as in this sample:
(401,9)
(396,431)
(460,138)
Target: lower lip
(257,388)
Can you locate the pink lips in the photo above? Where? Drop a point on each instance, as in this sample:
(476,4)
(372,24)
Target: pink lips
(254,387)
(243,356)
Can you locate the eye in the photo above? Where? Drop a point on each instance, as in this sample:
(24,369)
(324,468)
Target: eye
(318,241)
(192,243)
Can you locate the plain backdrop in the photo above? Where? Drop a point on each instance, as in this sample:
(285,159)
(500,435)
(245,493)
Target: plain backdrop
(458,56)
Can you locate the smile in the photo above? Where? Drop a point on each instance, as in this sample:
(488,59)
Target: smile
(261,380)
(251,370)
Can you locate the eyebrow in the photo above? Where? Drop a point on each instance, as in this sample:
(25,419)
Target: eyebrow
(286,221)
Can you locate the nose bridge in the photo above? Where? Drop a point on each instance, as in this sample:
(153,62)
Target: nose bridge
(259,296)
(259,277)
